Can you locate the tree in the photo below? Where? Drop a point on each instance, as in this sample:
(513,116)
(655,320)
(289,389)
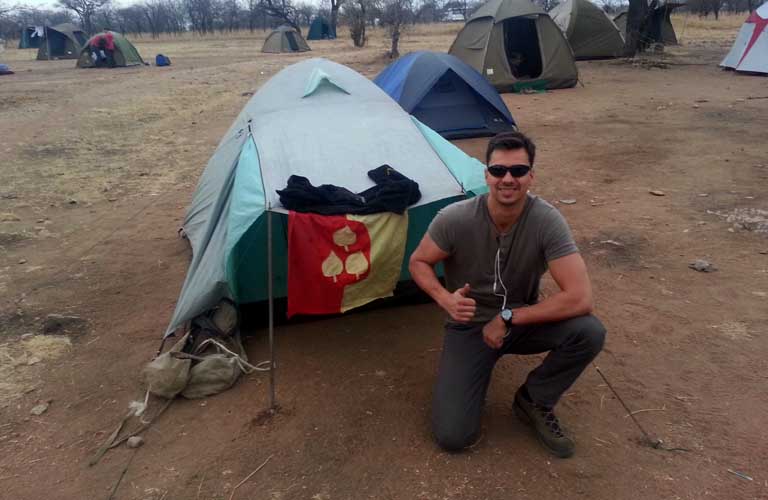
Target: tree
(335,4)
(395,15)
(637,21)
(305,12)
(283,10)
(356,15)
(85,10)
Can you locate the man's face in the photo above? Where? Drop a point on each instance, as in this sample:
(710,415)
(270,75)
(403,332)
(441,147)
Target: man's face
(509,190)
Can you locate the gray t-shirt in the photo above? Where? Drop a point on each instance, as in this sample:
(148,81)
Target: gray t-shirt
(465,231)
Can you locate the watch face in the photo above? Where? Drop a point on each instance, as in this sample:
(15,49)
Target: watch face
(506,314)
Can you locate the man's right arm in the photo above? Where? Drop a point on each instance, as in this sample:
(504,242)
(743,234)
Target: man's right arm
(422,267)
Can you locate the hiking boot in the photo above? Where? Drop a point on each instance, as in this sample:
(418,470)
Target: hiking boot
(545,425)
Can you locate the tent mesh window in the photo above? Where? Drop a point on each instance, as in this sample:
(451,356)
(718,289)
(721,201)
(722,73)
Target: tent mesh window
(521,41)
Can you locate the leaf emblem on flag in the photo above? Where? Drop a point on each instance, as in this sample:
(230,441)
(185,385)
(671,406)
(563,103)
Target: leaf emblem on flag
(356,264)
(345,237)
(332,266)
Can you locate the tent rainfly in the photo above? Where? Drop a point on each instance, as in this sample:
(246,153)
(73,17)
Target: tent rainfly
(514,44)
(285,39)
(125,53)
(62,41)
(589,30)
(446,94)
(321,29)
(750,50)
(285,130)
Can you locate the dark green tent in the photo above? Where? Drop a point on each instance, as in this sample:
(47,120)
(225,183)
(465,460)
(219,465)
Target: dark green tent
(514,44)
(321,29)
(62,41)
(285,39)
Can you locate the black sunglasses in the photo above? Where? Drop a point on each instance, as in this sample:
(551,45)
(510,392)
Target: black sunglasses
(515,170)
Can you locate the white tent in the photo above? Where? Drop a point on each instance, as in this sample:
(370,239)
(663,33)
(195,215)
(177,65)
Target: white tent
(750,50)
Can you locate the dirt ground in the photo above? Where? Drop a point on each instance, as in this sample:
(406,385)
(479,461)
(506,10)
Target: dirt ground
(97,168)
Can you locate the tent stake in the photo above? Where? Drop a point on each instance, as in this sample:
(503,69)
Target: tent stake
(272,402)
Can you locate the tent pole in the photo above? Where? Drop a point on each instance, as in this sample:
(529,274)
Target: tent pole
(48,42)
(272,402)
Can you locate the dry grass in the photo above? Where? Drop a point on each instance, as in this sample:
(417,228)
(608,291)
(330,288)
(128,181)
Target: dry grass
(691,28)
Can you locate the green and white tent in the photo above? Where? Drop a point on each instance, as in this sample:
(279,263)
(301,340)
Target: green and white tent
(328,123)
(125,52)
(514,43)
(589,30)
(285,39)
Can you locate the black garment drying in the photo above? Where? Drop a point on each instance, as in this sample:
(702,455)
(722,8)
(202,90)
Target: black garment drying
(393,192)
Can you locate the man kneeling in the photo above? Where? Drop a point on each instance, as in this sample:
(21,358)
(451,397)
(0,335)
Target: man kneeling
(495,248)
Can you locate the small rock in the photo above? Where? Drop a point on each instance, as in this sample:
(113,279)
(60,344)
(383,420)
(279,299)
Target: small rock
(702,266)
(763,252)
(695,106)
(57,324)
(9,217)
(22,261)
(612,242)
(33,361)
(247,93)
(39,409)
(703,195)
(72,202)
(656,192)
(40,221)
(135,441)
(111,199)
(567,201)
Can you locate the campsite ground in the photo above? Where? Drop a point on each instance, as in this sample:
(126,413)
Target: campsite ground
(97,169)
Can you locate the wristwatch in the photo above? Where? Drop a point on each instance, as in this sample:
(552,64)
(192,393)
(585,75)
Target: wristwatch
(506,317)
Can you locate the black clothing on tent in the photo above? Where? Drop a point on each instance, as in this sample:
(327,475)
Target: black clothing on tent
(393,192)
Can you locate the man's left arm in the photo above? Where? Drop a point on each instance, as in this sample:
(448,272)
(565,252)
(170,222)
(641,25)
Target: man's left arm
(573,299)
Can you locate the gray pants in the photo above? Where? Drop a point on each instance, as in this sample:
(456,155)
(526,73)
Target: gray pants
(467,363)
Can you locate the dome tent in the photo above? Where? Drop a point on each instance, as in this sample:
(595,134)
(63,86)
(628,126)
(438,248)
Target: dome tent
(285,39)
(750,49)
(514,43)
(285,130)
(588,29)
(320,29)
(62,41)
(446,94)
(125,53)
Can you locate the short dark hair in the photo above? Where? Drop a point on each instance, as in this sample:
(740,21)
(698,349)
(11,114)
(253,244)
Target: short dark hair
(511,141)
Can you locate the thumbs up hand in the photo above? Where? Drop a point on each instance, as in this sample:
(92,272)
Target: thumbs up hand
(459,306)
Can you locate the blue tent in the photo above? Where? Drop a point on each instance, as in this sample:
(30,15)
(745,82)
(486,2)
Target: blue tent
(446,94)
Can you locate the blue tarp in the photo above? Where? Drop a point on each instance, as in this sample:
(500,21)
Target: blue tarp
(446,94)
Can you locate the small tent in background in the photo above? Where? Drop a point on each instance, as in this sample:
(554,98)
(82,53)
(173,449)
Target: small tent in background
(125,53)
(588,29)
(328,123)
(321,29)
(445,94)
(515,44)
(285,39)
(30,37)
(750,50)
(62,41)
(660,29)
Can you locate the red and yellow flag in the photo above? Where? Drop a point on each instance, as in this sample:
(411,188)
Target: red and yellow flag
(339,262)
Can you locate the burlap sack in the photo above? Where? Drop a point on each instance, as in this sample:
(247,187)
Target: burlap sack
(166,376)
